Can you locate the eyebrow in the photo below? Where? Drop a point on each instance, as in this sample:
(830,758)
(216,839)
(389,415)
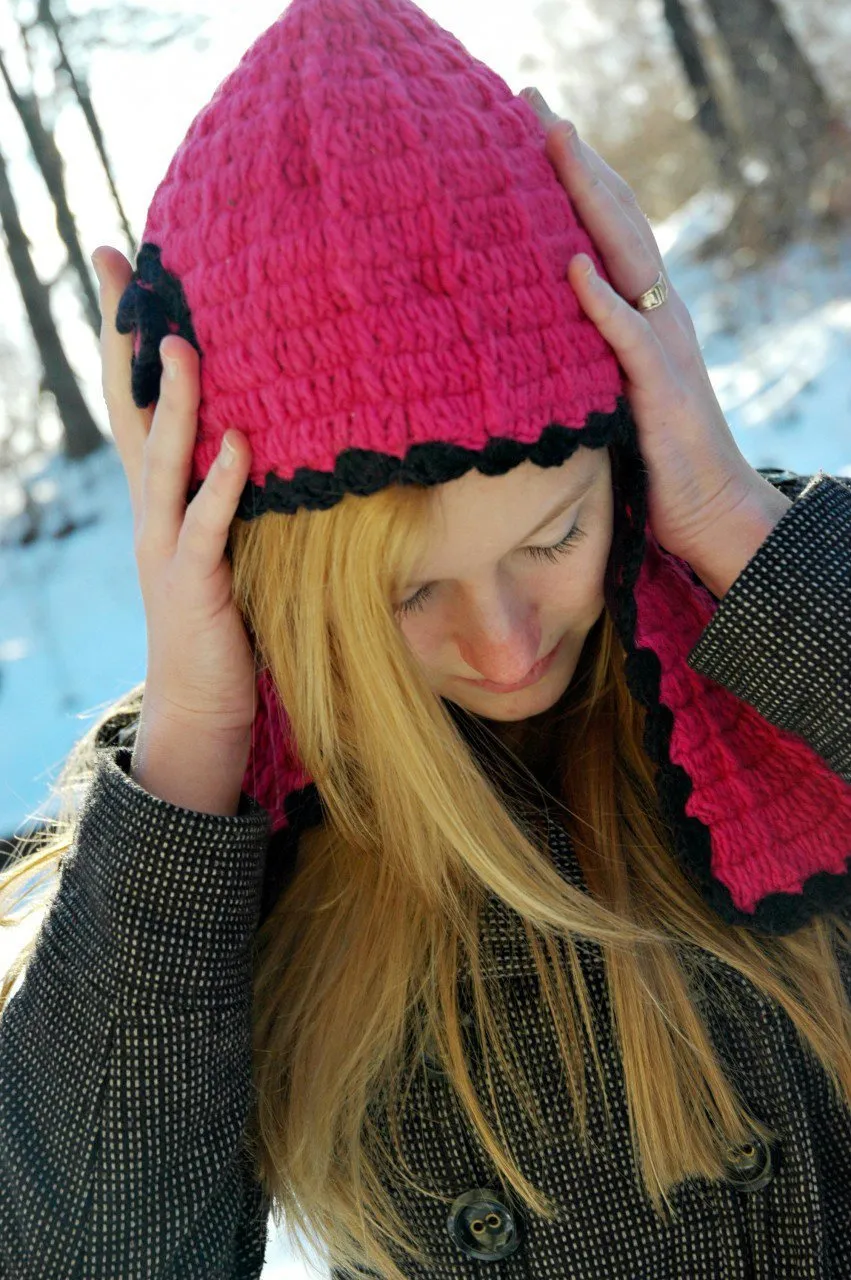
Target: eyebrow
(557,510)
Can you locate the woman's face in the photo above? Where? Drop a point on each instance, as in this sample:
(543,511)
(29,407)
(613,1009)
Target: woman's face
(488,602)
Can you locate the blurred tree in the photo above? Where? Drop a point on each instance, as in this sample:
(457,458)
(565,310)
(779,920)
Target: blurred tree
(73,37)
(784,136)
(710,115)
(81,434)
(58,43)
(46,153)
(765,86)
(78,83)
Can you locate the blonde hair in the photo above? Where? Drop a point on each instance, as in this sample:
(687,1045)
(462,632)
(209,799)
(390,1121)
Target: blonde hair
(357,965)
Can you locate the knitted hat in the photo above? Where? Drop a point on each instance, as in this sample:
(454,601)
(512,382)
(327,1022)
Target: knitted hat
(364,240)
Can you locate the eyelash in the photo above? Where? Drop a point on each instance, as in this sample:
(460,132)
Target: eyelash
(417,601)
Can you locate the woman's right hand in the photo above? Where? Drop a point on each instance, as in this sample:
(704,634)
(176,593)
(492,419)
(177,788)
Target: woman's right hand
(201,669)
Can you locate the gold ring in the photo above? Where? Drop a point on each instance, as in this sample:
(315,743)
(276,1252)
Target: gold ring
(654,296)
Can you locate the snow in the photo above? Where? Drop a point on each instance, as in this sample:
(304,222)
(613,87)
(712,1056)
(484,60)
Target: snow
(776,342)
(72,635)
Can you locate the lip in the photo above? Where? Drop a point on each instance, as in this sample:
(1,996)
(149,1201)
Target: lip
(540,669)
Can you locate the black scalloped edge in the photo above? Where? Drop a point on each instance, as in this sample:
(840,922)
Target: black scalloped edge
(365,471)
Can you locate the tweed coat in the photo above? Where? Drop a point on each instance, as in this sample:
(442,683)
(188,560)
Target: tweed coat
(125,1048)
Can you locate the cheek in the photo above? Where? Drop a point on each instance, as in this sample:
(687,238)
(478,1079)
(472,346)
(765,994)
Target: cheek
(575,589)
(427,638)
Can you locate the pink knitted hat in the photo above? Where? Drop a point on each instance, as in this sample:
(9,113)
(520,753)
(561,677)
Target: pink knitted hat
(362,237)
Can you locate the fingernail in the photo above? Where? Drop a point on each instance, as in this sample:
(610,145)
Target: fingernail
(227,453)
(96,268)
(170,368)
(587,264)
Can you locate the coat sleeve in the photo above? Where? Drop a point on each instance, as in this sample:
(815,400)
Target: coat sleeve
(780,638)
(125,1050)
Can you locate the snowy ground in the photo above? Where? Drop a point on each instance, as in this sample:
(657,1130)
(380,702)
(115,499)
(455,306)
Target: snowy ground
(72,637)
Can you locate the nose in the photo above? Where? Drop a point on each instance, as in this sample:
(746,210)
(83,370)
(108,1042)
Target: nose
(502,648)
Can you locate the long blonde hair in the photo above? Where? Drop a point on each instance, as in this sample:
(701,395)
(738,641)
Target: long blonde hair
(357,965)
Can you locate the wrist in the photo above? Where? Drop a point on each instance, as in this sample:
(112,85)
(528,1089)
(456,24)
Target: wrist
(191,765)
(736,540)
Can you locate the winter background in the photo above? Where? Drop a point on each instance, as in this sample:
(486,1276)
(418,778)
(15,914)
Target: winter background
(776,341)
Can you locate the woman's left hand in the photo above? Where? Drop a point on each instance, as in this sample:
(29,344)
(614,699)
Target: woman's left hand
(698,479)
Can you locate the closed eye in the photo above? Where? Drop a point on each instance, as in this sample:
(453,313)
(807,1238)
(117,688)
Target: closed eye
(416,602)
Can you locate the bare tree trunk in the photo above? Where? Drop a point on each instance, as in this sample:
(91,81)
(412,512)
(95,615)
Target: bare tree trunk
(81,93)
(81,435)
(789,124)
(47,157)
(710,117)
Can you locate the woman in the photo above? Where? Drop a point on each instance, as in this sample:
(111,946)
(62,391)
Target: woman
(468,881)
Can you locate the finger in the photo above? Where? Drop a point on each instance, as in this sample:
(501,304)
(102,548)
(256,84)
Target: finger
(625,242)
(170,443)
(626,330)
(606,203)
(209,515)
(129,424)
(620,188)
(549,118)
(634,270)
